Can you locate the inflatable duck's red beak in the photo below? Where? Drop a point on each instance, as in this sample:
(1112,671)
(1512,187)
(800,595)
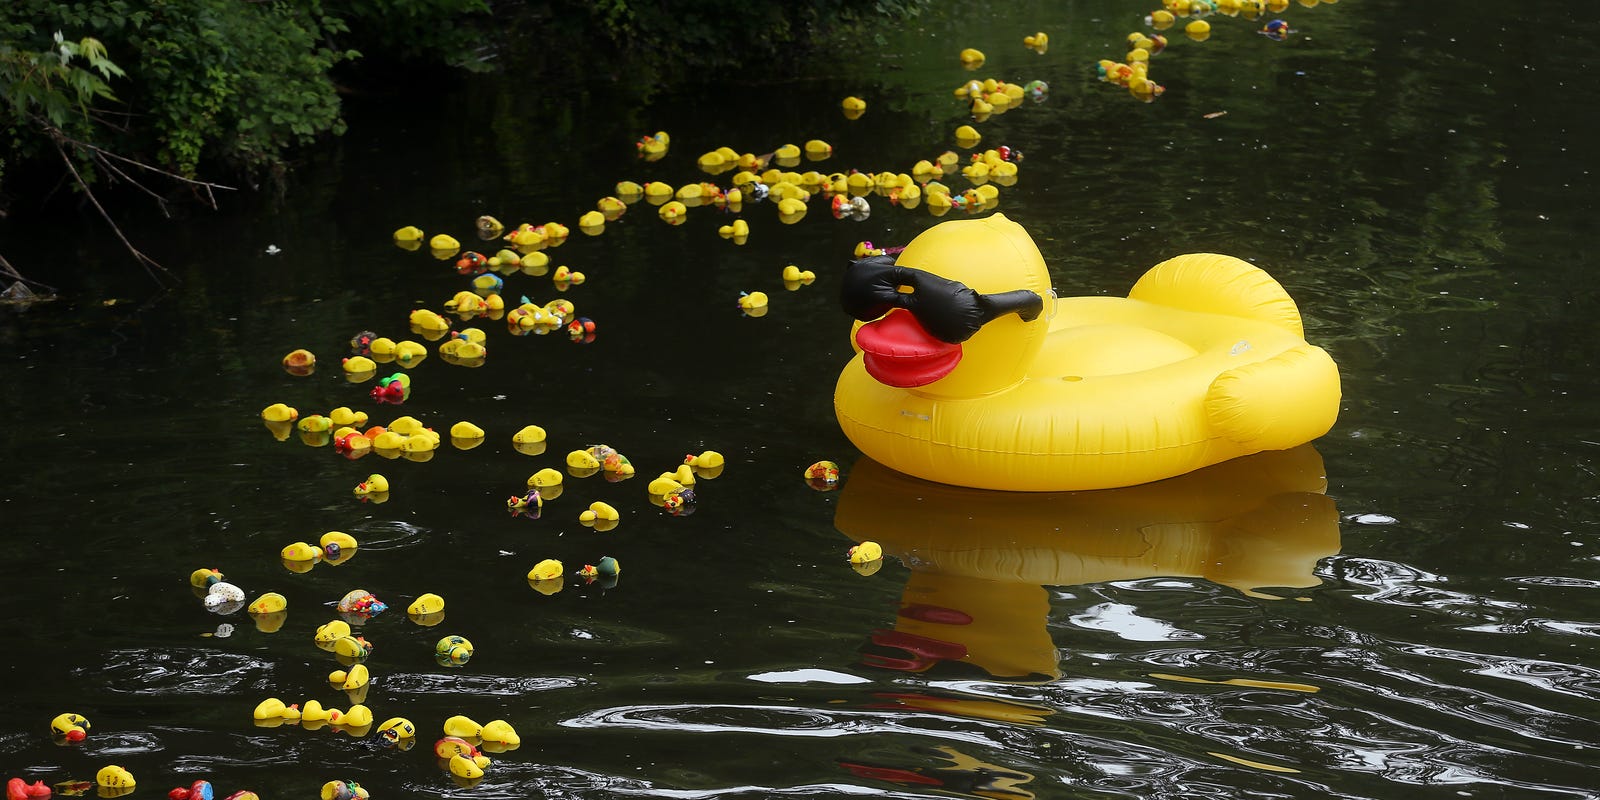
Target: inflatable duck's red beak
(897,351)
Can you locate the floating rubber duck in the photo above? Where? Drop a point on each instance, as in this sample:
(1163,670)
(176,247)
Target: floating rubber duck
(354,648)
(673,212)
(865,552)
(853,107)
(466,768)
(465,435)
(653,146)
(444,242)
(606,567)
(497,734)
(706,461)
(1198,30)
(600,515)
(269,603)
(273,709)
(611,208)
(453,651)
(278,412)
(224,598)
(547,482)
(967,136)
(797,276)
(564,277)
(114,777)
(592,223)
(548,569)
(331,632)
(374,484)
(753,304)
(395,389)
(972,58)
(300,362)
(70,727)
(823,476)
(1038,42)
(409,234)
(343,790)
(425,604)
(527,504)
(354,678)
(1276,30)
(204,577)
(818,150)
(358,717)
(362,602)
(396,729)
(738,231)
(462,727)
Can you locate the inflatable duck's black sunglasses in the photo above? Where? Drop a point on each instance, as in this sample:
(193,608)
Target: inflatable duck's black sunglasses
(947,309)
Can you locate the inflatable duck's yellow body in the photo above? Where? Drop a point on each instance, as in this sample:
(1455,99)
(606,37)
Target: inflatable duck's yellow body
(1204,361)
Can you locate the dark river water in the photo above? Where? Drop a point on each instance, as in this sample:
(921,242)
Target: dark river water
(1407,607)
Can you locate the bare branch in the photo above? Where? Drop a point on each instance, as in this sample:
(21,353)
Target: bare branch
(151,266)
(11,272)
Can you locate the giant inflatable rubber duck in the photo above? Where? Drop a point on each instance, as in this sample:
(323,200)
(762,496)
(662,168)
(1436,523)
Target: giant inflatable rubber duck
(969,371)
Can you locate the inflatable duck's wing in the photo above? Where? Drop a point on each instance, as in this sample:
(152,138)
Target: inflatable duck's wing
(949,310)
(1219,284)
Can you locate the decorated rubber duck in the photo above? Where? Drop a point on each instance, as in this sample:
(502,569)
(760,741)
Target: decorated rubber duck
(362,602)
(343,790)
(224,598)
(204,577)
(606,567)
(70,727)
(396,729)
(352,648)
(1205,360)
(395,389)
(527,504)
(452,651)
(653,146)
(823,476)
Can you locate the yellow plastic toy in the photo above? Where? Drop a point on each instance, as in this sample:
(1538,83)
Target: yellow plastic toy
(500,735)
(354,678)
(274,710)
(548,569)
(114,777)
(396,729)
(278,412)
(866,552)
(466,768)
(1204,361)
(343,790)
(452,651)
(331,632)
(374,484)
(269,603)
(71,727)
(600,516)
(428,603)
(462,726)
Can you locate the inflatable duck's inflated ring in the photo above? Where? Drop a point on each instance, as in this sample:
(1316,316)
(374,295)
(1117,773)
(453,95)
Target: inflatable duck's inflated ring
(969,371)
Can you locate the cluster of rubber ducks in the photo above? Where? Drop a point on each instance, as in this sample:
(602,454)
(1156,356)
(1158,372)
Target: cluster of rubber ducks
(1133,72)
(112,780)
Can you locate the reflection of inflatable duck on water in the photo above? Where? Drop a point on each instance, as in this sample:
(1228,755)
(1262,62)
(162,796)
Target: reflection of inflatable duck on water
(979,560)
(970,372)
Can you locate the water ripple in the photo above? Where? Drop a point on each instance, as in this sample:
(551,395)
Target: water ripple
(177,671)
(496,685)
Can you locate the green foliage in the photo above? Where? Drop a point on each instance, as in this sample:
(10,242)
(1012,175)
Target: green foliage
(223,81)
(726,33)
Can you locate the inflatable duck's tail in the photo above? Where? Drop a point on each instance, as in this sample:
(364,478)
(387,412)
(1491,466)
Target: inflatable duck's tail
(1219,284)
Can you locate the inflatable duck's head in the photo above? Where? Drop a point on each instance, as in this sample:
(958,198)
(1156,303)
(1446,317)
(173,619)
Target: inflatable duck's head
(961,312)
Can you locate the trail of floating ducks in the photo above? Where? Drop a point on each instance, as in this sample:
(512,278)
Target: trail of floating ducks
(526,249)
(1133,71)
